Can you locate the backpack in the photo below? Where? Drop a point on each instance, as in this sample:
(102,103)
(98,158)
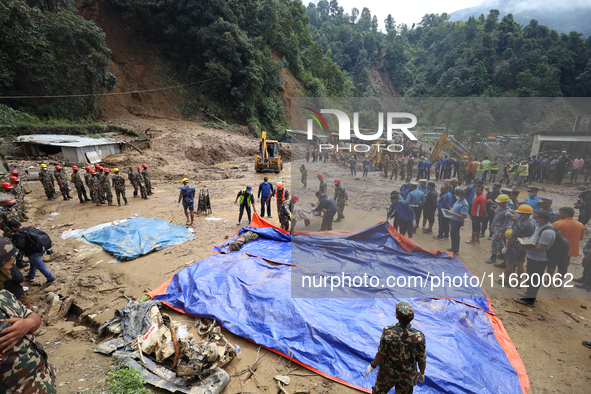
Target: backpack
(266,189)
(558,252)
(36,240)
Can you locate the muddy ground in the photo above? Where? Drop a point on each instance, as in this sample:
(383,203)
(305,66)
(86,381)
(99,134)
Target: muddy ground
(548,341)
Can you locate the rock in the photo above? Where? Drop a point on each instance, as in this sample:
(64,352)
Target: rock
(76,330)
(54,306)
(65,308)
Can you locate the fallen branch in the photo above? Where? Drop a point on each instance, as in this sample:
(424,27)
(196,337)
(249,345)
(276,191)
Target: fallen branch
(112,288)
(571,316)
(176,349)
(281,388)
(516,312)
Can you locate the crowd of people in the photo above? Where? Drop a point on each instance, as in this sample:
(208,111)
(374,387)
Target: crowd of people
(519,231)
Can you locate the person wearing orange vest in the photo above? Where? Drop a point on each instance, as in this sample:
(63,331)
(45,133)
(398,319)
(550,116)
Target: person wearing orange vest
(281,196)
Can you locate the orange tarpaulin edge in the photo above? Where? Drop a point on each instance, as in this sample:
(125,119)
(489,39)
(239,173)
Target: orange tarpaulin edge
(510,350)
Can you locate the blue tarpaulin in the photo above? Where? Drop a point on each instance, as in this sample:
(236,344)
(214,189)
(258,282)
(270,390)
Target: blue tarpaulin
(138,236)
(338,337)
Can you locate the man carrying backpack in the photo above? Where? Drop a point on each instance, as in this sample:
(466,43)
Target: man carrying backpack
(547,245)
(33,243)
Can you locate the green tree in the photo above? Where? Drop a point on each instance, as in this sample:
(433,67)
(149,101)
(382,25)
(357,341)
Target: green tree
(390,23)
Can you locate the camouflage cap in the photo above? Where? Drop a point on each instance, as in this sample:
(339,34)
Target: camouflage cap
(7,250)
(404,309)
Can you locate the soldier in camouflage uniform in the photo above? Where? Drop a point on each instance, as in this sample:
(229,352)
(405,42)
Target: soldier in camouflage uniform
(62,180)
(19,195)
(119,186)
(501,223)
(401,348)
(146,178)
(87,177)
(141,183)
(108,193)
(386,165)
(402,169)
(18,186)
(100,174)
(47,181)
(7,214)
(394,168)
(341,198)
(409,166)
(77,181)
(323,186)
(95,188)
(132,176)
(286,213)
(304,172)
(24,365)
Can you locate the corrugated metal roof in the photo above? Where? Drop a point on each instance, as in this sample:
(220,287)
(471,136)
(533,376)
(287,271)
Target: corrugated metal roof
(93,157)
(74,141)
(565,138)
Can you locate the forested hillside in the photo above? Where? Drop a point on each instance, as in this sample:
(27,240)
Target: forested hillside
(47,49)
(488,56)
(237,51)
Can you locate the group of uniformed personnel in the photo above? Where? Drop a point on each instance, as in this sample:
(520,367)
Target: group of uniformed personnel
(99,184)
(18,210)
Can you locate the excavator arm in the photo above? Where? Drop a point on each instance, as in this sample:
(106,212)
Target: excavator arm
(453,144)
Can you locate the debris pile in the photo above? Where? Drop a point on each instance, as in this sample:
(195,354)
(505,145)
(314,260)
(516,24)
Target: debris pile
(166,353)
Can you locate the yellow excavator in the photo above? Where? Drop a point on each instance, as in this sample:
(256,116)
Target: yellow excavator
(453,144)
(268,158)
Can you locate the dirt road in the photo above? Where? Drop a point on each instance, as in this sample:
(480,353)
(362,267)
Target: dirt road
(548,340)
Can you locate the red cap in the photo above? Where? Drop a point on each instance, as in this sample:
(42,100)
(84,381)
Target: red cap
(87,168)
(99,168)
(74,167)
(107,170)
(139,167)
(145,165)
(58,167)
(6,185)
(337,181)
(92,172)
(97,165)
(14,172)
(13,179)
(295,198)
(319,175)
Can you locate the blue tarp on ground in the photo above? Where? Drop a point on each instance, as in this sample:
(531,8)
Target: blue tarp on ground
(338,337)
(138,236)
(373,252)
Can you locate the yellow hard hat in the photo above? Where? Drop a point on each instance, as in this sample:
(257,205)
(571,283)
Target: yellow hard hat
(43,165)
(524,208)
(508,233)
(185,180)
(502,198)
(115,169)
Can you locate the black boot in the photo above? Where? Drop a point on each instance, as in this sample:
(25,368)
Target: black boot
(493,259)
(82,201)
(125,199)
(65,198)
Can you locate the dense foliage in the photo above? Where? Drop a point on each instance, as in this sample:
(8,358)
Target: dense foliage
(229,43)
(484,56)
(46,49)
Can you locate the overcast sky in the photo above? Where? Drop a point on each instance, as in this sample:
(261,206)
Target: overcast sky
(408,12)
